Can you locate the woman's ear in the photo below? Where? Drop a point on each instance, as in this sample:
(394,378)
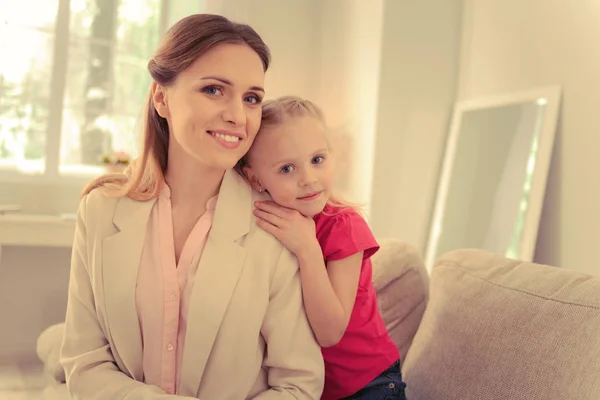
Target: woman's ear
(253,179)
(159,97)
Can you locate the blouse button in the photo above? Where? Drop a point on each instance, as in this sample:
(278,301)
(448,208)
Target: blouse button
(170,347)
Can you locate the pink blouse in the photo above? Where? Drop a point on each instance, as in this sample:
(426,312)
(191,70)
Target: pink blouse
(163,291)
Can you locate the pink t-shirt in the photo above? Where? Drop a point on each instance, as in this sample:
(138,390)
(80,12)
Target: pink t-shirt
(366,349)
(163,291)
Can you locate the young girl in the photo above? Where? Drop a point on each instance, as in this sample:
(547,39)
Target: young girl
(291,160)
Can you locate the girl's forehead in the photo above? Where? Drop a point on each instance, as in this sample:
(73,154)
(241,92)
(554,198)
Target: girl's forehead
(296,135)
(290,140)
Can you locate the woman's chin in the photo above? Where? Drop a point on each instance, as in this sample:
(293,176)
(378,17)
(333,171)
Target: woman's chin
(218,161)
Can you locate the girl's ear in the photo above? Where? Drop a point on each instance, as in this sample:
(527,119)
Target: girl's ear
(253,179)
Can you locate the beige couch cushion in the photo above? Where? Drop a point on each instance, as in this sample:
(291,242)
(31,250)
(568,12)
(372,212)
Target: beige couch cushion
(401,282)
(497,329)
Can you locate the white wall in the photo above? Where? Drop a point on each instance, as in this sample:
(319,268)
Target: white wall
(350,45)
(290,30)
(33,296)
(514,45)
(419,69)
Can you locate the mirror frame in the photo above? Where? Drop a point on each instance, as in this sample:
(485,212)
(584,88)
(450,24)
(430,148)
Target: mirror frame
(552,96)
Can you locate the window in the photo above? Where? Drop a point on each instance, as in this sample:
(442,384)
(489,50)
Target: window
(73,81)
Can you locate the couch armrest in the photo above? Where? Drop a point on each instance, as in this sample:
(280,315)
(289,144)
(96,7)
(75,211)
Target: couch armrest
(48,350)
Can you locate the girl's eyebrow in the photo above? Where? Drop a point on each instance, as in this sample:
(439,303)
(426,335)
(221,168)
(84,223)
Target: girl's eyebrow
(228,82)
(285,161)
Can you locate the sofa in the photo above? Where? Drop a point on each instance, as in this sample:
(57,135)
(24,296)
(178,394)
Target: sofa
(481,327)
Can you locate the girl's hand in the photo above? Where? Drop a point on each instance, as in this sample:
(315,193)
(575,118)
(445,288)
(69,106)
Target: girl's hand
(292,229)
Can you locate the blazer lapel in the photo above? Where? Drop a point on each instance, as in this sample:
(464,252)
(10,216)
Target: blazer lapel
(121,254)
(218,272)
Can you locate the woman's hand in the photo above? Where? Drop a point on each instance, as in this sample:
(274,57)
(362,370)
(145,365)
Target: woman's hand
(292,229)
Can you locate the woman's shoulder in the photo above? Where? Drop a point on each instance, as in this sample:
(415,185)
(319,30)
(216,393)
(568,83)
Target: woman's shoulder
(96,210)
(264,239)
(105,197)
(101,206)
(262,244)
(99,199)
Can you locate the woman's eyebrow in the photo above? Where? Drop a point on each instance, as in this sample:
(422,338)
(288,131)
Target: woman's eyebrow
(228,82)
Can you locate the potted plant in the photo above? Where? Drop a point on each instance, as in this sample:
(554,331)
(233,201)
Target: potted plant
(116,162)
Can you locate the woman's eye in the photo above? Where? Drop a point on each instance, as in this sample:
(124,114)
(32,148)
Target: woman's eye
(253,99)
(287,169)
(213,90)
(318,160)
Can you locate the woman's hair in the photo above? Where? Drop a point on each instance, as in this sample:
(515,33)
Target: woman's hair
(184,43)
(276,112)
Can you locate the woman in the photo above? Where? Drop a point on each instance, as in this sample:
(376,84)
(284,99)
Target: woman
(174,290)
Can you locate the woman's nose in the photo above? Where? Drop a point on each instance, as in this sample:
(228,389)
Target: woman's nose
(235,113)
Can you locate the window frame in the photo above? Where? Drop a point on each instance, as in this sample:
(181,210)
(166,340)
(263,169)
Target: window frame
(58,83)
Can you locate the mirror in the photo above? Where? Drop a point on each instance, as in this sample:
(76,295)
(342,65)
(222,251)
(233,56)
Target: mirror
(493,177)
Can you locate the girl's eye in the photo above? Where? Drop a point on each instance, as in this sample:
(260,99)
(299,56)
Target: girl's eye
(253,99)
(318,160)
(213,90)
(286,169)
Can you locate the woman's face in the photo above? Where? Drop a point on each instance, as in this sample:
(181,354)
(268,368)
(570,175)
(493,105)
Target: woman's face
(214,106)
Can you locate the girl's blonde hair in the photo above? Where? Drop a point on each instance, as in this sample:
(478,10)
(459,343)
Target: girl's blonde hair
(184,43)
(276,112)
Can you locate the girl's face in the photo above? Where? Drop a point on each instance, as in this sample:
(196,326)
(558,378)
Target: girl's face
(214,106)
(292,161)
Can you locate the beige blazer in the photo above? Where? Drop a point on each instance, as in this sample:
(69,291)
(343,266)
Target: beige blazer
(247,336)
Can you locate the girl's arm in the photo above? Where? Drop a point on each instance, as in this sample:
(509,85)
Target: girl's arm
(329,293)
